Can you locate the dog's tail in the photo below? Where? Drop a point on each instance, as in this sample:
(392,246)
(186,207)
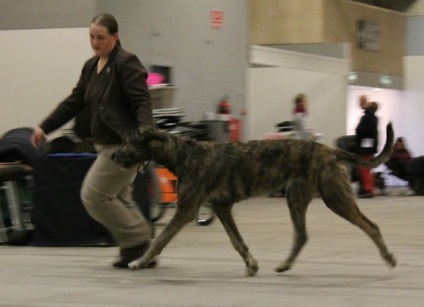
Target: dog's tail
(381,158)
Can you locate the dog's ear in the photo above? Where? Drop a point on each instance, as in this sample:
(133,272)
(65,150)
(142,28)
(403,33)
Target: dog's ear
(153,134)
(144,136)
(131,137)
(138,135)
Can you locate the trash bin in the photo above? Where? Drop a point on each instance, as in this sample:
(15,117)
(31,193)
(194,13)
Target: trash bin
(218,130)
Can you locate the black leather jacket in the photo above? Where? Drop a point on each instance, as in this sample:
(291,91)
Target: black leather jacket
(125,103)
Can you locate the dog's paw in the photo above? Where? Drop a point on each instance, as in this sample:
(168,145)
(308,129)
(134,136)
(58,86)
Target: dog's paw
(140,264)
(134,265)
(252,271)
(391,260)
(252,267)
(282,267)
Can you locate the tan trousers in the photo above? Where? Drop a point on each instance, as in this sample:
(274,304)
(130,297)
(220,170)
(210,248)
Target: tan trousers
(107,196)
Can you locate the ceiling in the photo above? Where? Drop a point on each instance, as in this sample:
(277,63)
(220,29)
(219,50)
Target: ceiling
(395,5)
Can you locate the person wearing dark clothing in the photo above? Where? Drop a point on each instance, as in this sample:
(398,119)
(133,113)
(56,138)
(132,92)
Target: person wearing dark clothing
(366,147)
(399,159)
(113,84)
(406,167)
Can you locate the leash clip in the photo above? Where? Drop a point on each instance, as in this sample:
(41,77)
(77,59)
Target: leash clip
(142,167)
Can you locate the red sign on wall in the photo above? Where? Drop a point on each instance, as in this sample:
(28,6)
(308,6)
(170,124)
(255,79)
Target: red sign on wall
(217,19)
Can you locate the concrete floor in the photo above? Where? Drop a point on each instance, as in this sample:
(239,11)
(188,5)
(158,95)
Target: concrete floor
(340,266)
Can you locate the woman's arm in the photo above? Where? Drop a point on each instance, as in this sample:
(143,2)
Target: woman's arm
(133,79)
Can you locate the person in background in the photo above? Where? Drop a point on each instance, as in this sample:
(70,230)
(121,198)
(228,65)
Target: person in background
(299,115)
(407,167)
(363,101)
(113,83)
(399,159)
(366,147)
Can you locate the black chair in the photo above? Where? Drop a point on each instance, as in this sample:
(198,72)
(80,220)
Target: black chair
(16,213)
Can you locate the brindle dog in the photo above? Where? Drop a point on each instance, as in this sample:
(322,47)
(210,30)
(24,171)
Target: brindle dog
(226,173)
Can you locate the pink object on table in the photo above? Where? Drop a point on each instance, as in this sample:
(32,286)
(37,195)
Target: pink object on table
(154,78)
(275,135)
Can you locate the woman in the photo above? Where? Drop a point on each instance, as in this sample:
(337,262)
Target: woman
(399,159)
(299,115)
(113,84)
(366,147)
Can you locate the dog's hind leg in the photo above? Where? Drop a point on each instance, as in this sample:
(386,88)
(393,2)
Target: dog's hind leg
(299,195)
(185,213)
(340,199)
(225,216)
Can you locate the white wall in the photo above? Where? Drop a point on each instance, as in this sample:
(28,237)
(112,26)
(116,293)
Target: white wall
(271,91)
(413,107)
(38,69)
(207,63)
(333,105)
(390,109)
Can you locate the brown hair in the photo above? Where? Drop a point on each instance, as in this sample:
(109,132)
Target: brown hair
(109,22)
(372,105)
(299,98)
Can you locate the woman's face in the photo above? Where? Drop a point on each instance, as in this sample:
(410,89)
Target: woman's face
(398,145)
(101,41)
(304,103)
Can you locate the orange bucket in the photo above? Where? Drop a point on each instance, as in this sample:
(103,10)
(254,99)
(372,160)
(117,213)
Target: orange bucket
(168,185)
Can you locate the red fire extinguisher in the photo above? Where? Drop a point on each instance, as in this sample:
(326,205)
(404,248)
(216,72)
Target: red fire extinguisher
(224,106)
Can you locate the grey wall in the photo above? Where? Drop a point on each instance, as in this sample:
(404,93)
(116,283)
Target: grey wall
(45,14)
(207,63)
(414,79)
(415,35)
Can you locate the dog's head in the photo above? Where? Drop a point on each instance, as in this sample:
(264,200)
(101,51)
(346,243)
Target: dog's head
(136,148)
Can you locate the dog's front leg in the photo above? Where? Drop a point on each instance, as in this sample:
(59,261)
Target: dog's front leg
(183,215)
(225,216)
(299,195)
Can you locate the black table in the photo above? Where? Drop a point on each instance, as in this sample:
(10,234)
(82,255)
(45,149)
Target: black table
(59,216)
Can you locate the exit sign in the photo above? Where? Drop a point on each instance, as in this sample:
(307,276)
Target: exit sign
(217,19)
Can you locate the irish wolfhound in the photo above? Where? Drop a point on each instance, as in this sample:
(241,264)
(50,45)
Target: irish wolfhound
(225,173)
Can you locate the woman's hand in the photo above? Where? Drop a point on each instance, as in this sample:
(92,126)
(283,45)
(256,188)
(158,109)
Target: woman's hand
(38,137)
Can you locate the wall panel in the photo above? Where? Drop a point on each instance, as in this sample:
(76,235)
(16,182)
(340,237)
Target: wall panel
(341,19)
(285,21)
(276,22)
(45,14)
